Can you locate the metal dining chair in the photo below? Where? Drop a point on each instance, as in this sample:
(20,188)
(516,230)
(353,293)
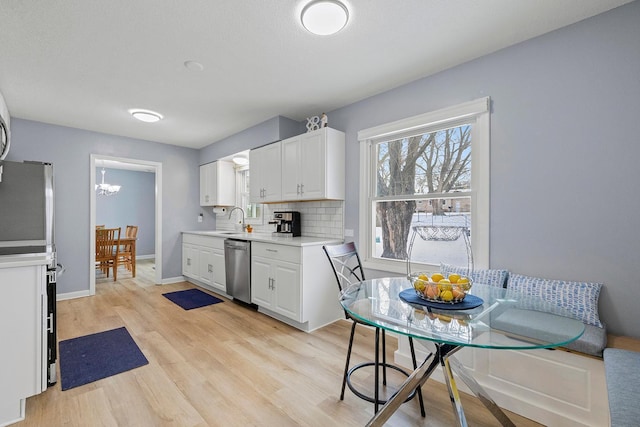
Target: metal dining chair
(346,265)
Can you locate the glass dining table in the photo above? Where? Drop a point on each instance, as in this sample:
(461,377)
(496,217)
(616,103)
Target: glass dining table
(501,320)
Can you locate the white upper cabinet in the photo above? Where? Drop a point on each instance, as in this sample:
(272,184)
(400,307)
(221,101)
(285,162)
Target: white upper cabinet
(217,184)
(266,178)
(313,166)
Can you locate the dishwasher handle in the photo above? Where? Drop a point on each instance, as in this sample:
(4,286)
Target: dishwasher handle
(238,245)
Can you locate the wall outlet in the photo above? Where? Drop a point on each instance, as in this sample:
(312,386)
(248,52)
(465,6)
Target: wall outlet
(348,232)
(200,218)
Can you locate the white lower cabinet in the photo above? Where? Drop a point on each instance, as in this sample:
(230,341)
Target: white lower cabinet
(275,283)
(23,324)
(203,260)
(190,260)
(294,284)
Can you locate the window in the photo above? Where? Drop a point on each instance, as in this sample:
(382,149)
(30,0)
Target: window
(425,180)
(253,211)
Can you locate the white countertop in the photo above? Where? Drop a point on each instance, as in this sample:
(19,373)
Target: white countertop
(268,238)
(22,260)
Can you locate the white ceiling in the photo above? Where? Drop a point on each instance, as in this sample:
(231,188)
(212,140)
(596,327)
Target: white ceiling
(84,63)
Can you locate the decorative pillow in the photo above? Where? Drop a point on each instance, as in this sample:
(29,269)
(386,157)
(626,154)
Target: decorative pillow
(579,298)
(491,277)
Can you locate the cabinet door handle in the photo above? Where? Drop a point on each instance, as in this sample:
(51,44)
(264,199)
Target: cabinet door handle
(210,268)
(298,189)
(272,250)
(188,261)
(301,189)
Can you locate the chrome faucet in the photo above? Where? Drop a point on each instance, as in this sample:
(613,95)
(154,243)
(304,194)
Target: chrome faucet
(244,227)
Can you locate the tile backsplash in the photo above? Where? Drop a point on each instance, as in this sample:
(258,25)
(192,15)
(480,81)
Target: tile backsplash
(319,219)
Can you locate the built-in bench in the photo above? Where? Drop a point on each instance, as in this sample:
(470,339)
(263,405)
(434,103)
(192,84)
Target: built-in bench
(565,386)
(622,371)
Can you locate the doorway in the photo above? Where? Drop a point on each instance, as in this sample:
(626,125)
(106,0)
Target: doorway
(99,161)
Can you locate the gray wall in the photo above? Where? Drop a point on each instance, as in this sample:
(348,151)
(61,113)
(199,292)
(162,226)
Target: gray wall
(69,150)
(134,204)
(564,153)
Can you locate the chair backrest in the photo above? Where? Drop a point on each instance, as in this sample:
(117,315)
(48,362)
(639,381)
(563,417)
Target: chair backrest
(107,243)
(345,262)
(131,231)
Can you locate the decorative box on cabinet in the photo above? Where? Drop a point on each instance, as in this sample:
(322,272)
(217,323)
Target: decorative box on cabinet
(313,166)
(203,261)
(290,284)
(266,178)
(217,184)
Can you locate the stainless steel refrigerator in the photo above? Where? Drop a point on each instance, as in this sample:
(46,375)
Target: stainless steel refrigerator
(26,230)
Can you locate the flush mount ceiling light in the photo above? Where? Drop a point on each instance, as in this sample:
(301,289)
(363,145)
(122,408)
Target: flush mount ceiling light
(324,17)
(147,116)
(240,160)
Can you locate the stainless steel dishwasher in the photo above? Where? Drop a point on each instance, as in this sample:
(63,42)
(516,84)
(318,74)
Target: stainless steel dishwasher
(237,260)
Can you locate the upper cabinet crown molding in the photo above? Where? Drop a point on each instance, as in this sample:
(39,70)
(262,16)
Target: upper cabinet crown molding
(217,184)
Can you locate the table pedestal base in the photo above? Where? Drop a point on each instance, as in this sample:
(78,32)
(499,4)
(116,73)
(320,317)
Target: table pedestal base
(443,357)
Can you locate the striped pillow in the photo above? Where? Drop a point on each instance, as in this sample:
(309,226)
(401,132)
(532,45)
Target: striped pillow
(491,277)
(579,298)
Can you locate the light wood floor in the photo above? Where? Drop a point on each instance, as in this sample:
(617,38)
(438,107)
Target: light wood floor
(221,365)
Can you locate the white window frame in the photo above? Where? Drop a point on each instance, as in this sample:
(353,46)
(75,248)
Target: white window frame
(259,220)
(475,112)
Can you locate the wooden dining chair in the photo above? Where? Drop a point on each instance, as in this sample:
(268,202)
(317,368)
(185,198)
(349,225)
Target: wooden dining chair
(108,250)
(348,270)
(126,251)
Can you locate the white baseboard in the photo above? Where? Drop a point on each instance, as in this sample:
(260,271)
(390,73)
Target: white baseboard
(152,256)
(73,295)
(170,280)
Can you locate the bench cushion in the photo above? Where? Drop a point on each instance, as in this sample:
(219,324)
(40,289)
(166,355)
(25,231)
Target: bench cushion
(579,298)
(592,342)
(622,371)
(487,276)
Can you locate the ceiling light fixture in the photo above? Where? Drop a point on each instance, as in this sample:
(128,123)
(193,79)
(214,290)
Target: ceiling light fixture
(324,17)
(105,189)
(240,160)
(147,116)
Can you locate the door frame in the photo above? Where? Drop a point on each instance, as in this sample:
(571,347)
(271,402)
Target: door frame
(128,164)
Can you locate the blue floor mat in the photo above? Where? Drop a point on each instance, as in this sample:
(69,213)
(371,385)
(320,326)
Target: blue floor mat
(93,357)
(191,298)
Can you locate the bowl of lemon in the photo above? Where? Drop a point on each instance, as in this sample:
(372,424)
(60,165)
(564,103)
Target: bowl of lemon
(436,287)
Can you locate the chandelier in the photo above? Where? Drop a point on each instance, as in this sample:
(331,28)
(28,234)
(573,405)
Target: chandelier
(104,189)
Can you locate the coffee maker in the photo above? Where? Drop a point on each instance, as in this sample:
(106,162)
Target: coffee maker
(287,223)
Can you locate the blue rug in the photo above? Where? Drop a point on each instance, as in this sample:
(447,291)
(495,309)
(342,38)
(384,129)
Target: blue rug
(93,357)
(191,298)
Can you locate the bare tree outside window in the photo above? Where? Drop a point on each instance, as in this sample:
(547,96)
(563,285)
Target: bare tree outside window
(428,173)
